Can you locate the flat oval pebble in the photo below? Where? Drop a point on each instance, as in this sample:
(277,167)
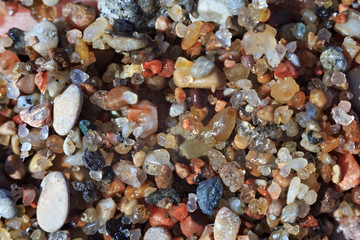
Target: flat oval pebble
(67,107)
(54,202)
(8,207)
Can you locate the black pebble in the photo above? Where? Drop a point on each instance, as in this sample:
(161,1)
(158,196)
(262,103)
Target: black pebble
(93,160)
(156,196)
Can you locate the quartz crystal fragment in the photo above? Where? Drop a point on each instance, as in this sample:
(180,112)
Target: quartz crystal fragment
(129,174)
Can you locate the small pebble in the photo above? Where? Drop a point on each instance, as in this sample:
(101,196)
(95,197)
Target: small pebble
(37,116)
(332,58)
(67,107)
(54,202)
(209,193)
(50,3)
(129,174)
(26,84)
(202,67)
(46,33)
(227,225)
(78,15)
(14,167)
(156,233)
(78,77)
(8,207)
(8,128)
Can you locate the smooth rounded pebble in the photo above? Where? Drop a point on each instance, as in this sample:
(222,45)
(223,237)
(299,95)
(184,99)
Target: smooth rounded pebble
(54,202)
(157,233)
(8,207)
(67,107)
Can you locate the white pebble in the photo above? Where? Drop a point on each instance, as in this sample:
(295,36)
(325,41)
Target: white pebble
(23,131)
(44,132)
(54,202)
(26,146)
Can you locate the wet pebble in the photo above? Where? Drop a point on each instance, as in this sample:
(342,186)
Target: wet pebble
(67,108)
(209,193)
(54,202)
(8,207)
(14,167)
(198,98)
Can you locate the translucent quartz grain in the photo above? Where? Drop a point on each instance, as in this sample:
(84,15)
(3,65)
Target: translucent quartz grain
(78,77)
(95,30)
(127,172)
(293,190)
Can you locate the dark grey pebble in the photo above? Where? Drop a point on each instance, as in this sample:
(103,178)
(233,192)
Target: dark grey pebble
(209,193)
(156,196)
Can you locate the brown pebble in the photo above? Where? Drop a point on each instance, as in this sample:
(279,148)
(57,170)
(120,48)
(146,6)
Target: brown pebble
(165,177)
(193,225)
(198,98)
(88,89)
(37,116)
(8,128)
(99,99)
(162,24)
(78,15)
(284,182)
(14,167)
(182,170)
(55,143)
(26,84)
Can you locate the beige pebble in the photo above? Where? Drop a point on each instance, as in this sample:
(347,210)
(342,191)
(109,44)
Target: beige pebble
(54,202)
(67,108)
